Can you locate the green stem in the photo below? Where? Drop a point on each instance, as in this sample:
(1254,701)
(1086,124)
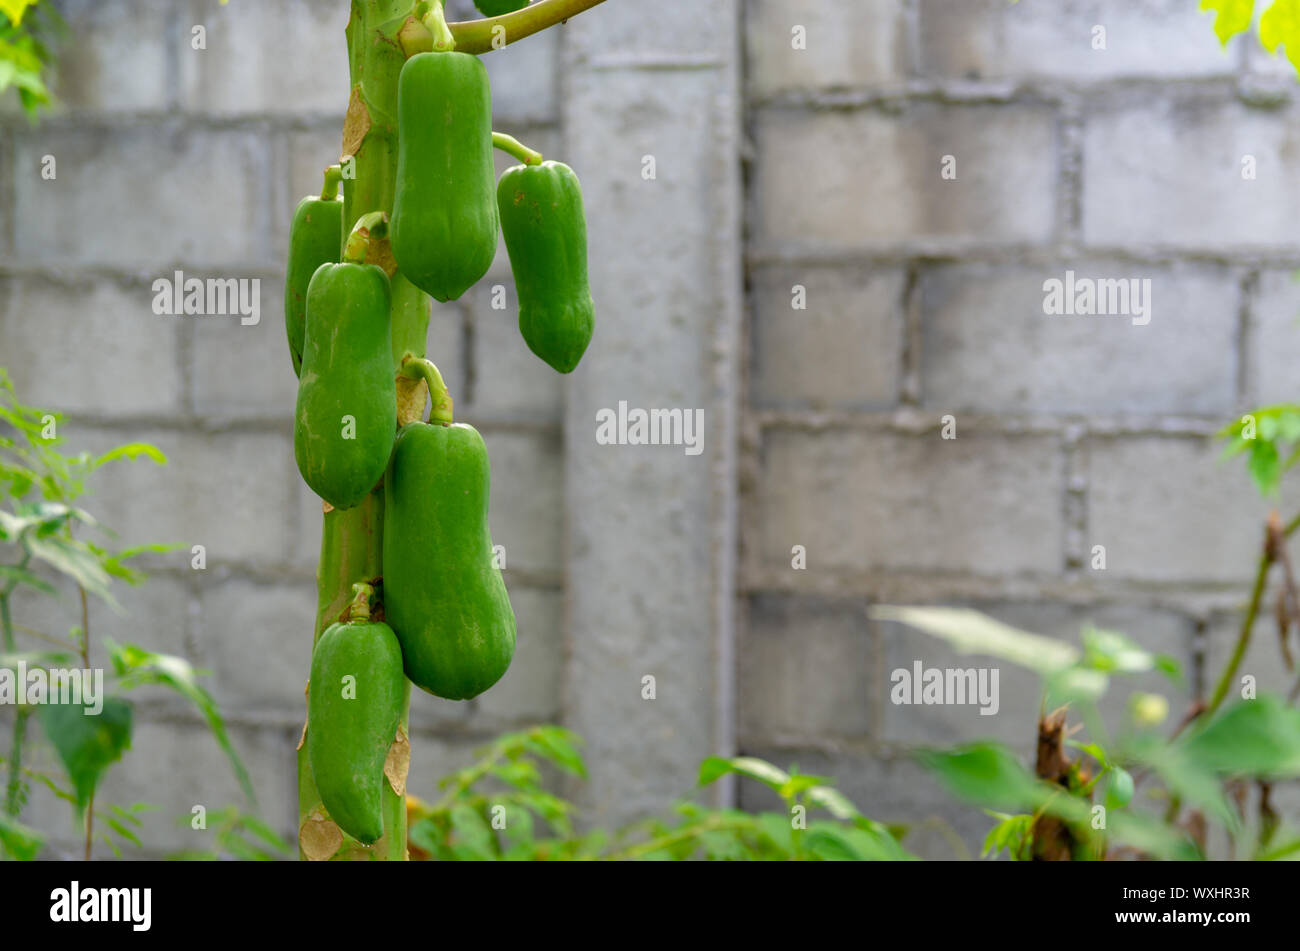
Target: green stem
(352,539)
(492,33)
(330,190)
(372,225)
(1243,639)
(439,397)
(14,786)
(6,620)
(436,23)
(359,608)
(12,806)
(508,143)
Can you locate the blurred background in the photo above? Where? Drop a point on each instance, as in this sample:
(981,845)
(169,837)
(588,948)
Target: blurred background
(734,167)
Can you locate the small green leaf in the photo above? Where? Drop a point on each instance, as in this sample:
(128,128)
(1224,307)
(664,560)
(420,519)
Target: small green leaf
(1280,25)
(18,841)
(87,744)
(21,576)
(971,632)
(985,773)
(559,746)
(767,774)
(1233,17)
(833,801)
(132,450)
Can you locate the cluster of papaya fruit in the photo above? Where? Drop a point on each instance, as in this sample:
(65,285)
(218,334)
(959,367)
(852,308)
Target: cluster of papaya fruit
(447,625)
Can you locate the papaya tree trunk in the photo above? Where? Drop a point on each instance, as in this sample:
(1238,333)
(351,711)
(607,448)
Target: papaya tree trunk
(352,540)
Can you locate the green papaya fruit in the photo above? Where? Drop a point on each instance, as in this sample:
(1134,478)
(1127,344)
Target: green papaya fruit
(315,238)
(444,226)
(443,596)
(545,230)
(354,705)
(347,409)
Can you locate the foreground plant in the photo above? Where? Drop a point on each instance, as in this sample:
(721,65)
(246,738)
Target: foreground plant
(39,529)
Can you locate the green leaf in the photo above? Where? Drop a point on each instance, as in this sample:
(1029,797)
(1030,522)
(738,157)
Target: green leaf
(137,667)
(472,838)
(971,632)
(832,842)
(778,830)
(1232,17)
(74,559)
(833,801)
(1014,833)
(18,841)
(21,576)
(559,746)
(1258,737)
(1280,25)
(985,773)
(87,744)
(715,767)
(1114,653)
(123,831)
(14,9)
(132,450)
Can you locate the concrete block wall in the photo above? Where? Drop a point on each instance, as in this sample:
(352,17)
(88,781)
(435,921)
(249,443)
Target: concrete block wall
(924,297)
(781,173)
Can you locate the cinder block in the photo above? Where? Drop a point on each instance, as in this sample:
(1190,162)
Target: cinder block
(525,77)
(276,56)
(815,192)
(988,39)
(1275,339)
(842,43)
(509,379)
(843,350)
(1170,509)
(636,33)
(1191,186)
(310,153)
(989,346)
(256,639)
(980,503)
(806,669)
(243,371)
(126,359)
(114,56)
(229,492)
(526,506)
(153,217)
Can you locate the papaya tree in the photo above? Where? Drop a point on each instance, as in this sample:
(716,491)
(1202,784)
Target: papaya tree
(418,218)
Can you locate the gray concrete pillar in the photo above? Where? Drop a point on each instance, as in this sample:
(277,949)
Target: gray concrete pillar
(651,114)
